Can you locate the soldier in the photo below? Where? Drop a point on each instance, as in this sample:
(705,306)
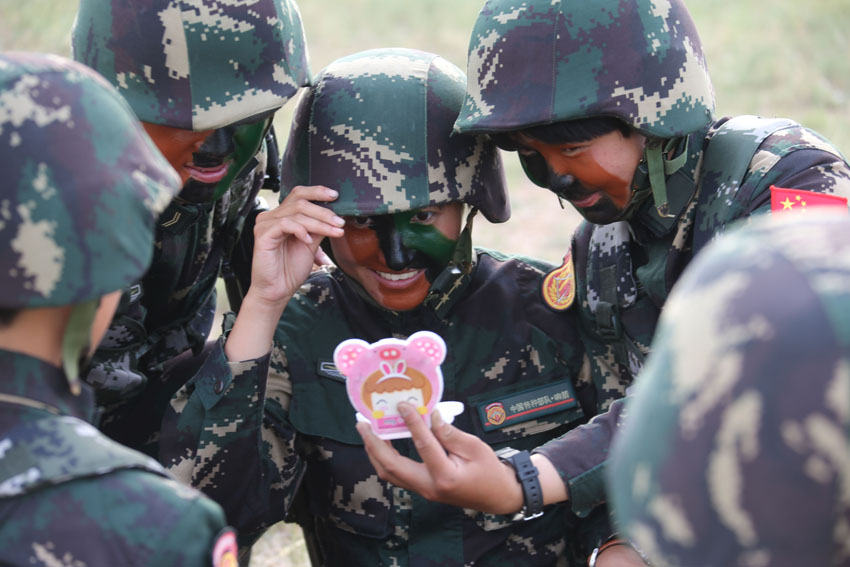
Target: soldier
(377,127)
(81,190)
(212,67)
(746,401)
(610,106)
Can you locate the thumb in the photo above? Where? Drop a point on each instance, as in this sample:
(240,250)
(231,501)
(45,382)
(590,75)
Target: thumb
(451,438)
(322,259)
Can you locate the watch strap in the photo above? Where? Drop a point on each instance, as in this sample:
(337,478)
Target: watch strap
(528,477)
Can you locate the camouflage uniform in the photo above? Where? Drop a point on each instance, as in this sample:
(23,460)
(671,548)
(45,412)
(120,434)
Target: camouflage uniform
(506,348)
(543,62)
(745,400)
(82,187)
(196,66)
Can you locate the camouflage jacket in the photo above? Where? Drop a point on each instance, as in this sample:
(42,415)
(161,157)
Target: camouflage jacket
(70,496)
(505,347)
(625,270)
(168,313)
(742,441)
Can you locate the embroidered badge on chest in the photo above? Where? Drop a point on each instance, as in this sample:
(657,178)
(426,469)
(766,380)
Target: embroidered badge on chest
(559,286)
(495,413)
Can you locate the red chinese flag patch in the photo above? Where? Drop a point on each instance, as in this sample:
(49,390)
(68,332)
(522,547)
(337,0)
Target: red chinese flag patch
(799,201)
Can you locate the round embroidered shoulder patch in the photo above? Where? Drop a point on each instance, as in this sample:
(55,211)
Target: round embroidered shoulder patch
(225,550)
(559,289)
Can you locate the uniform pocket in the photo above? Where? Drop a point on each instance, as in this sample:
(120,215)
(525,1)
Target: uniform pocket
(342,486)
(320,407)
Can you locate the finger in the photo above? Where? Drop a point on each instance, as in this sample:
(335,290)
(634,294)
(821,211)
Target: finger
(303,228)
(301,210)
(429,447)
(303,200)
(316,226)
(374,448)
(272,236)
(312,193)
(391,466)
(322,259)
(454,440)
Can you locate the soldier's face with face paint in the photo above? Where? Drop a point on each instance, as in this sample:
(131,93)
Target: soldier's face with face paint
(223,155)
(396,257)
(594,176)
(177,145)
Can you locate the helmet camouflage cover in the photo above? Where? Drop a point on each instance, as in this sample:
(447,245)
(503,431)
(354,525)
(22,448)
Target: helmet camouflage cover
(195,64)
(745,403)
(82,184)
(377,127)
(535,62)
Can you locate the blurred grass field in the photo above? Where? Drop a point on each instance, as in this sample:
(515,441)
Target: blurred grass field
(778,58)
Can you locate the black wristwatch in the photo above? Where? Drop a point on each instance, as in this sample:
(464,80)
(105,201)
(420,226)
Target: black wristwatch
(527,475)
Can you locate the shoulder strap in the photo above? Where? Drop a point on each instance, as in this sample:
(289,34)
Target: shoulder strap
(729,151)
(57,449)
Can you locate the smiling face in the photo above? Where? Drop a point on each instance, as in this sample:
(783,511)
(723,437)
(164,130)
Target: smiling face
(594,176)
(222,156)
(396,257)
(387,402)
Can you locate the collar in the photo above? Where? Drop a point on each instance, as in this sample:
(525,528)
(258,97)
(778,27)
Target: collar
(29,382)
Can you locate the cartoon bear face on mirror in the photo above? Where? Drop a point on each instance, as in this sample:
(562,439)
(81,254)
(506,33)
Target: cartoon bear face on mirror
(389,371)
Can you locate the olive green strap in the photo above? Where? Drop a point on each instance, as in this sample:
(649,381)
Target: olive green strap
(75,343)
(659,169)
(463,248)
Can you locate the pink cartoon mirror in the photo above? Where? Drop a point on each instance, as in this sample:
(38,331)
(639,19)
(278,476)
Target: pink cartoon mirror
(389,371)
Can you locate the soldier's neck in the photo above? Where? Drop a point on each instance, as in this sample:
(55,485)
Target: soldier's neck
(37,332)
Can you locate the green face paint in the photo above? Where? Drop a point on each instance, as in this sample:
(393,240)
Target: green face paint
(247,139)
(425,238)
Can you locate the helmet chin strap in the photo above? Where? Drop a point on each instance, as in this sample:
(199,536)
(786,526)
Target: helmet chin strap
(463,249)
(659,168)
(75,342)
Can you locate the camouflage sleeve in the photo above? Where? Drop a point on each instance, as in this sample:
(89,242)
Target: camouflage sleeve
(128,517)
(212,436)
(197,536)
(795,158)
(579,456)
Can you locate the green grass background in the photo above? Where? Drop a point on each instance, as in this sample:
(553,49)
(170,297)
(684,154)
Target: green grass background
(777,58)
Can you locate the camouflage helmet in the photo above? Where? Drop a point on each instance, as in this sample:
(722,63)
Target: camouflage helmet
(82,187)
(377,127)
(76,166)
(745,396)
(535,62)
(195,64)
